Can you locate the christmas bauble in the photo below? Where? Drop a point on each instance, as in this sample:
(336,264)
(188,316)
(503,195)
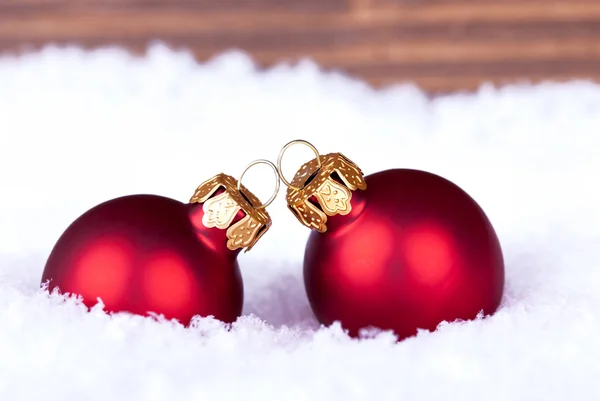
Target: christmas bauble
(148,254)
(399,250)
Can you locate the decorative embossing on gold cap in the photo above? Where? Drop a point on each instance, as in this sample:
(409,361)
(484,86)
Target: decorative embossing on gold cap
(316,181)
(220,211)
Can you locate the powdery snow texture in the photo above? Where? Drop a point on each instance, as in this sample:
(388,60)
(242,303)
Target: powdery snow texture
(78,128)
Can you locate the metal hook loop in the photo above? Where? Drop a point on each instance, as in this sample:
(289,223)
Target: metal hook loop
(277,183)
(282,152)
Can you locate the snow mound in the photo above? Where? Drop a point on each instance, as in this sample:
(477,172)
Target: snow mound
(79,127)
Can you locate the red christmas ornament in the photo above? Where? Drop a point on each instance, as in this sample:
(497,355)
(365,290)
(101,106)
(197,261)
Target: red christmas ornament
(151,254)
(398,250)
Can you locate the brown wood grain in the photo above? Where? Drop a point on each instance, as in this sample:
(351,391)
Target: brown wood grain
(442,45)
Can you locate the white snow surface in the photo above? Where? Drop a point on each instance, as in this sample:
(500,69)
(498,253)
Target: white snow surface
(80,127)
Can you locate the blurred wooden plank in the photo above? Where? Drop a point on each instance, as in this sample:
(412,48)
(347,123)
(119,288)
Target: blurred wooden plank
(247,17)
(509,68)
(432,51)
(458,11)
(336,29)
(440,85)
(439,44)
(229,6)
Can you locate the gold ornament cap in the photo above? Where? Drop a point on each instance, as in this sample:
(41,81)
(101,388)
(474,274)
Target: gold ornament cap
(329,179)
(220,210)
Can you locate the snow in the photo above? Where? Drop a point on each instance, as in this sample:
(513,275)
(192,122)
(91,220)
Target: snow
(77,128)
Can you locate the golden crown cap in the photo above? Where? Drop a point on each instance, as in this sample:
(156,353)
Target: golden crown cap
(329,180)
(220,210)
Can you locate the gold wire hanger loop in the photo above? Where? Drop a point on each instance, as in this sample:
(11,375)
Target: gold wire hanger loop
(277,183)
(282,152)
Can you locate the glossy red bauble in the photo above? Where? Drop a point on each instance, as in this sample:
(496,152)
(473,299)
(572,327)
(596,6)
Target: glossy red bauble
(148,254)
(414,250)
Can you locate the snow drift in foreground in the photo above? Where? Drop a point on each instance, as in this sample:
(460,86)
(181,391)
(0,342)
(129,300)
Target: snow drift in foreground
(78,128)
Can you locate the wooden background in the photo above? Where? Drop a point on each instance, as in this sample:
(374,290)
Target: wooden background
(442,45)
